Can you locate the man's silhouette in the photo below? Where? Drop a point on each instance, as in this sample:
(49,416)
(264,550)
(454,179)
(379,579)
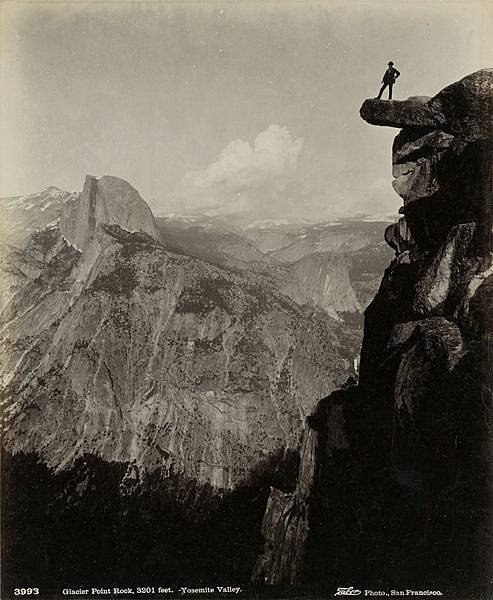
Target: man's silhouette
(389,78)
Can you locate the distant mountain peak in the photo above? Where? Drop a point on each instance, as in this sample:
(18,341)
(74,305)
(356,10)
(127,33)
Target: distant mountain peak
(53,189)
(22,215)
(105,200)
(273,223)
(49,196)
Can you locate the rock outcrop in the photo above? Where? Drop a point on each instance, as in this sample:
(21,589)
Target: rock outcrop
(399,238)
(463,108)
(402,500)
(285,524)
(105,200)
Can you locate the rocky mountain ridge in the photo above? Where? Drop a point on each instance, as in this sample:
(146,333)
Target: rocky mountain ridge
(287,255)
(126,350)
(23,215)
(335,266)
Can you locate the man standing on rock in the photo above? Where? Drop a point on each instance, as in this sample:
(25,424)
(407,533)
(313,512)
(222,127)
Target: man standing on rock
(389,78)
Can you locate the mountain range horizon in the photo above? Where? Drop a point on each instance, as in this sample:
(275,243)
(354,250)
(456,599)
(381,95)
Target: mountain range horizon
(239,218)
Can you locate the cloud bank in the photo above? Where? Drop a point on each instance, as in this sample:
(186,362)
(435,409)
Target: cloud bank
(273,178)
(244,177)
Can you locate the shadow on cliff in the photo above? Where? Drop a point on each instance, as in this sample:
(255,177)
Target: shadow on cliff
(94,524)
(406,504)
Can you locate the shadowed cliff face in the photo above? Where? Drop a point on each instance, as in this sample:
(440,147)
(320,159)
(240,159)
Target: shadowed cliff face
(97,523)
(400,495)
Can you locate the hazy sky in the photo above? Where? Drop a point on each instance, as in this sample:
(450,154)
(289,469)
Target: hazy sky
(222,107)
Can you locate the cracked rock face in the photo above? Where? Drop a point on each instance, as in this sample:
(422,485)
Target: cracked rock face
(442,158)
(406,497)
(415,164)
(286,522)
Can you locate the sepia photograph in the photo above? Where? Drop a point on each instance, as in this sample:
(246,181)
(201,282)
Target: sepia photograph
(246,299)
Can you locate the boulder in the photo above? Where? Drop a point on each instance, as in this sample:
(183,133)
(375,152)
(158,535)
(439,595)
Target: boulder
(398,113)
(464,108)
(398,236)
(412,147)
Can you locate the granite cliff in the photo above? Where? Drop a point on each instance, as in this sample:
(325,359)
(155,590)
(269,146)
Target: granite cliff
(105,201)
(394,482)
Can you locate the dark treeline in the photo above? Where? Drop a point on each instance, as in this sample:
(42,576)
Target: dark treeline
(98,523)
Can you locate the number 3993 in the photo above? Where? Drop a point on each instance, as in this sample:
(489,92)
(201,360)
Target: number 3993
(26,591)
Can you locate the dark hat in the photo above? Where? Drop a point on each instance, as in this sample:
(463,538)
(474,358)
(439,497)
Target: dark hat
(390,62)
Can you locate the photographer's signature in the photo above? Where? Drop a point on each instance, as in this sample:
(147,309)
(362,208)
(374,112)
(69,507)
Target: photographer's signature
(352,591)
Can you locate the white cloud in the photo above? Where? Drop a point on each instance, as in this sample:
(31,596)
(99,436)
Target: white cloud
(243,176)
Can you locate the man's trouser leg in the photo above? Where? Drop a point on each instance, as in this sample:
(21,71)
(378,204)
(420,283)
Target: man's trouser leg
(390,90)
(381,91)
